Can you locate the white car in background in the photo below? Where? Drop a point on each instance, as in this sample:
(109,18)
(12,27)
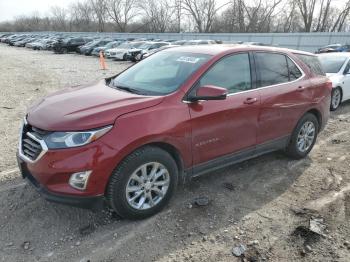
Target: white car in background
(120,53)
(337,68)
(200,42)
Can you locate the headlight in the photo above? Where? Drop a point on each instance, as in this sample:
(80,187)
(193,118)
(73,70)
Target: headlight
(73,139)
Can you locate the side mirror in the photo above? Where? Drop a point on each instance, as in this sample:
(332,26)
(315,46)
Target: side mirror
(209,92)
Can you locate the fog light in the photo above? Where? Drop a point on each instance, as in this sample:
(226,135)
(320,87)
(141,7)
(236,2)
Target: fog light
(79,180)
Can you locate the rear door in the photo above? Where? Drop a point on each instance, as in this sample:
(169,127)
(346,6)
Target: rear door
(285,94)
(225,126)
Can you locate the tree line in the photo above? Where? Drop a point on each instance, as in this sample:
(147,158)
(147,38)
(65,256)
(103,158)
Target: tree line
(203,16)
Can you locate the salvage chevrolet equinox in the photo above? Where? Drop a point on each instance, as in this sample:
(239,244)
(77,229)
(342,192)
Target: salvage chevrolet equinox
(128,140)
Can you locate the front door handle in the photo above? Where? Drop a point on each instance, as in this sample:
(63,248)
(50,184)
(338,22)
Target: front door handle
(250,101)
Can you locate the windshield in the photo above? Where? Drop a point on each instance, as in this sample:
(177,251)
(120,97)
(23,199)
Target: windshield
(145,45)
(160,74)
(332,64)
(124,46)
(135,45)
(111,44)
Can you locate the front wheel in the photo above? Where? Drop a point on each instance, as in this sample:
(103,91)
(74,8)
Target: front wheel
(303,137)
(336,98)
(143,183)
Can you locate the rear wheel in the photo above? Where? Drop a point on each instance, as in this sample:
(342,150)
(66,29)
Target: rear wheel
(303,137)
(336,98)
(143,183)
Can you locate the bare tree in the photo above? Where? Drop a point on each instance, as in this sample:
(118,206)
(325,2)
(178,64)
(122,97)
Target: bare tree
(307,11)
(246,16)
(158,15)
(81,16)
(59,18)
(243,16)
(177,6)
(99,8)
(342,16)
(203,12)
(122,12)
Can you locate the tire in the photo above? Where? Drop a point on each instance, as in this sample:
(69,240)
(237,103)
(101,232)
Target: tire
(293,150)
(123,177)
(336,98)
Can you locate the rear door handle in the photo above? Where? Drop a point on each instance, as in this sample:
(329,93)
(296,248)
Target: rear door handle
(250,101)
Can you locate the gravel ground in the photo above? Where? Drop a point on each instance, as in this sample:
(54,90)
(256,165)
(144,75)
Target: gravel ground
(265,204)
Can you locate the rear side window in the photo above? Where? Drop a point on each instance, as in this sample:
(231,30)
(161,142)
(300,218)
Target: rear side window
(231,72)
(312,62)
(273,68)
(294,72)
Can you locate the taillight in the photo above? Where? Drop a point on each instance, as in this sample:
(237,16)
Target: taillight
(329,85)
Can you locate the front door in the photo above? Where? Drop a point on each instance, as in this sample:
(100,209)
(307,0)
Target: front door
(226,126)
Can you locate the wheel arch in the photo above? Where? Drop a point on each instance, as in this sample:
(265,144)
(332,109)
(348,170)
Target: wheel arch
(174,152)
(318,115)
(169,148)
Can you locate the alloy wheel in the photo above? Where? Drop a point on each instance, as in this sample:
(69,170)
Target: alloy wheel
(306,136)
(147,186)
(336,98)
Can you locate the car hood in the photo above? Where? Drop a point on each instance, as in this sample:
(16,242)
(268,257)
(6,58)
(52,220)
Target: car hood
(86,107)
(117,49)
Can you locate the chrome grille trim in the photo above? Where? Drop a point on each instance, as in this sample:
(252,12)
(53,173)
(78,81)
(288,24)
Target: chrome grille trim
(30,144)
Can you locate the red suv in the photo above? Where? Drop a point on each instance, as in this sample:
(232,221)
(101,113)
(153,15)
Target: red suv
(128,140)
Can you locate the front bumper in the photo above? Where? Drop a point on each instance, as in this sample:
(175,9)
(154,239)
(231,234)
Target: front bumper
(118,56)
(88,202)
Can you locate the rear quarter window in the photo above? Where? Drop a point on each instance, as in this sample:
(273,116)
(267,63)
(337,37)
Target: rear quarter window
(312,62)
(272,67)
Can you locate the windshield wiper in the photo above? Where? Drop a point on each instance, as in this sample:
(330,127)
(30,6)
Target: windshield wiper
(129,89)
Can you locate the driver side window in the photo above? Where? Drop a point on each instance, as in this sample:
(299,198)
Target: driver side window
(231,72)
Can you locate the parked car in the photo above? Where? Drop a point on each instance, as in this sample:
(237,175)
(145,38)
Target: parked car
(42,44)
(136,53)
(23,42)
(153,51)
(337,68)
(254,43)
(180,42)
(333,48)
(12,41)
(129,139)
(200,42)
(110,45)
(87,49)
(67,45)
(120,52)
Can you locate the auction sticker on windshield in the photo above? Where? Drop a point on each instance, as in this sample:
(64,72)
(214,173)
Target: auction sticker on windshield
(188,59)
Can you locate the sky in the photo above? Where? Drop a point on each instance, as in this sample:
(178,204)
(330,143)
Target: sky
(12,8)
(9,9)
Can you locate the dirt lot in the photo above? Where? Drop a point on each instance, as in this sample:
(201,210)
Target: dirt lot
(265,203)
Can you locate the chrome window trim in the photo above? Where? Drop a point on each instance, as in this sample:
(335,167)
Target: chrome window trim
(263,87)
(41,142)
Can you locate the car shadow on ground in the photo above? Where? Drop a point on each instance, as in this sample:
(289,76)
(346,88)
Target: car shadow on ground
(233,193)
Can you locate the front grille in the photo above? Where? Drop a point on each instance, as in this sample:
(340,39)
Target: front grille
(31,145)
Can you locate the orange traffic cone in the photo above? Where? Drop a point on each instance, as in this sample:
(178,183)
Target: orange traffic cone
(102,61)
